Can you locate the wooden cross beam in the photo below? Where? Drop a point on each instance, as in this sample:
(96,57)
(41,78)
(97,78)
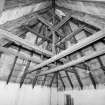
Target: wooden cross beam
(20,55)
(34,81)
(68,37)
(61,80)
(69,79)
(13,66)
(24,43)
(43,83)
(78,78)
(84,18)
(55,28)
(74,62)
(39,35)
(87,41)
(54,75)
(14,26)
(91,76)
(25,70)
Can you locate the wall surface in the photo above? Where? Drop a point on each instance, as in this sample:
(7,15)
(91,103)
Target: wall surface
(88,97)
(18,12)
(11,94)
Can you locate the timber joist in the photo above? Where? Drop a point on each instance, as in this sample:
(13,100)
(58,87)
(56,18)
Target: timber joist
(58,49)
(74,62)
(68,37)
(22,42)
(87,41)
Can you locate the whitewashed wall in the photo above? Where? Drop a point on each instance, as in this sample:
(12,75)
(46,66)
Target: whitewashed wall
(88,97)
(11,94)
(18,12)
(93,8)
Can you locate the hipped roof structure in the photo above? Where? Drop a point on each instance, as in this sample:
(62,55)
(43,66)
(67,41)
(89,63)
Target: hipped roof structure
(54,43)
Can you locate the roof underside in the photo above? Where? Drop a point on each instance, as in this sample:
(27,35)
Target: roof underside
(57,43)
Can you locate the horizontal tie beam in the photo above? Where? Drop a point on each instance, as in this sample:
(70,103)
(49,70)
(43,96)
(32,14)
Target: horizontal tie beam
(85,42)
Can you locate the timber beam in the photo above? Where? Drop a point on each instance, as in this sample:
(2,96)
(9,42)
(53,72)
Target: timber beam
(43,83)
(61,81)
(55,28)
(13,66)
(71,35)
(69,79)
(91,76)
(87,41)
(22,42)
(25,70)
(20,55)
(74,62)
(39,35)
(84,18)
(78,78)
(34,81)
(54,75)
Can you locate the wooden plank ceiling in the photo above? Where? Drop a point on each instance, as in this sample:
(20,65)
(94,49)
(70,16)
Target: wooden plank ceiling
(61,44)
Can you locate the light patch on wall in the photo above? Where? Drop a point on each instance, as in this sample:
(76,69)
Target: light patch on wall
(18,12)
(88,97)
(11,94)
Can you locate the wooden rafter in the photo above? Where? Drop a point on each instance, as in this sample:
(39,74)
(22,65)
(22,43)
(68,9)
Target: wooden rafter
(43,83)
(71,35)
(34,81)
(91,75)
(24,43)
(78,78)
(74,62)
(63,84)
(69,79)
(52,80)
(95,37)
(55,28)
(25,70)
(13,66)
(39,35)
(53,32)
(19,55)
(85,18)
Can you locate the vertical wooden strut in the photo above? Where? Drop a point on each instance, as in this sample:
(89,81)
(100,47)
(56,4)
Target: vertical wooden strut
(13,66)
(53,32)
(69,79)
(87,67)
(62,80)
(52,80)
(91,77)
(24,74)
(57,79)
(76,73)
(78,78)
(34,81)
(44,80)
(98,58)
